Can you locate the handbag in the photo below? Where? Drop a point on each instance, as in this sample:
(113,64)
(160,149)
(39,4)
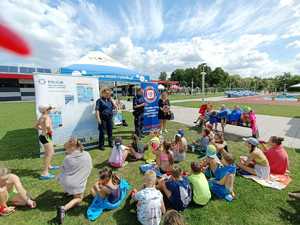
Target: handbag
(171,116)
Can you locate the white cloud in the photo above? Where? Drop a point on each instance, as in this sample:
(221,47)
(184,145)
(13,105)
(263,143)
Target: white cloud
(295,44)
(144,19)
(286,3)
(58,35)
(241,56)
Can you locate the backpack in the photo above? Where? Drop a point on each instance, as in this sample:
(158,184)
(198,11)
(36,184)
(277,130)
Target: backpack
(185,193)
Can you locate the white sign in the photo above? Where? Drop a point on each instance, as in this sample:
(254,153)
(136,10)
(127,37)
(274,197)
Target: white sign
(74,100)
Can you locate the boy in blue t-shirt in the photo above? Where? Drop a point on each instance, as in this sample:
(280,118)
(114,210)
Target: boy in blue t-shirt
(176,189)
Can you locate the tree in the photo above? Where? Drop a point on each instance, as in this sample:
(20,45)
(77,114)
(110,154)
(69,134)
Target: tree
(163,76)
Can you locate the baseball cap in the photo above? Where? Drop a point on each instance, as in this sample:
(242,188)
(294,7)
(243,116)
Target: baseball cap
(211,152)
(252,141)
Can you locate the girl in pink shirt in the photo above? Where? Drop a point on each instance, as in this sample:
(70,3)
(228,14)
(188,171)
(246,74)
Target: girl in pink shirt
(276,155)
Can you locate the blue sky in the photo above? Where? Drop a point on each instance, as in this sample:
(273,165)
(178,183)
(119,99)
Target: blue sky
(250,38)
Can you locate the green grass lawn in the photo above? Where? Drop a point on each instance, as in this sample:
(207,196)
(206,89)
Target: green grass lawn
(254,205)
(272,110)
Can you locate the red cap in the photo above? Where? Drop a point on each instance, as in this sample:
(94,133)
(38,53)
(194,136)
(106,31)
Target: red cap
(10,40)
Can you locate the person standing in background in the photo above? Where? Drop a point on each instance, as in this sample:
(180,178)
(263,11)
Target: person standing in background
(138,112)
(104,115)
(164,112)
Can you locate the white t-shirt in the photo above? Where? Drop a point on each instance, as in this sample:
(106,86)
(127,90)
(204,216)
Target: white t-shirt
(149,206)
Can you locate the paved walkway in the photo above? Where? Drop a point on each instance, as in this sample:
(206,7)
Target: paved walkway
(289,128)
(211,99)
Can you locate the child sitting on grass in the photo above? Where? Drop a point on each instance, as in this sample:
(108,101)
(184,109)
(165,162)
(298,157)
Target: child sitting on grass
(150,204)
(150,156)
(179,148)
(12,191)
(119,154)
(200,145)
(224,174)
(198,181)
(220,144)
(176,189)
(164,157)
(137,149)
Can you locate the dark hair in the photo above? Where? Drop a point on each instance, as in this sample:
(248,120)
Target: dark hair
(253,147)
(173,217)
(176,172)
(196,167)
(206,131)
(107,174)
(277,140)
(220,136)
(167,147)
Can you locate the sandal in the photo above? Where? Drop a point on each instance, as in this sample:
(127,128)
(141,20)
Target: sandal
(6,211)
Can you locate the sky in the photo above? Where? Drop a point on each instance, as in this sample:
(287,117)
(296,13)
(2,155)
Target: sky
(250,38)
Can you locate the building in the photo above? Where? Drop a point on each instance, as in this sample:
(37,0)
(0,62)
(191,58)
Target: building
(16,83)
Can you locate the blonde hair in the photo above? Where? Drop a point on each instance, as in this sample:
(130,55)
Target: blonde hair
(150,178)
(4,171)
(173,217)
(104,89)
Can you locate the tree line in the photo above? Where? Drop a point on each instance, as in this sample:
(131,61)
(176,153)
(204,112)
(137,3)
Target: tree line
(222,80)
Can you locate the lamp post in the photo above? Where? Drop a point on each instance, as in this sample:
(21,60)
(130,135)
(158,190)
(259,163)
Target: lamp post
(192,86)
(203,84)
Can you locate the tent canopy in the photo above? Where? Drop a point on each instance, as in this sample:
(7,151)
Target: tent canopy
(104,67)
(295,86)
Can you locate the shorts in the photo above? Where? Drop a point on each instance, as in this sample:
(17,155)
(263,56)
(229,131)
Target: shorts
(45,139)
(262,171)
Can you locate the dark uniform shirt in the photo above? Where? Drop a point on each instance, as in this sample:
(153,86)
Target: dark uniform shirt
(105,108)
(137,100)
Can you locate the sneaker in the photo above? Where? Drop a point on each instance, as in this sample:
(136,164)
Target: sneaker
(160,132)
(53,167)
(166,131)
(60,216)
(47,177)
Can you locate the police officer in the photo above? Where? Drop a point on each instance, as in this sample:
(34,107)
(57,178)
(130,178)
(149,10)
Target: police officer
(138,112)
(104,116)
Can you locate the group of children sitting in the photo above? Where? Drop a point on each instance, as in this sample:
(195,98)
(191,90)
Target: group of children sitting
(165,185)
(238,116)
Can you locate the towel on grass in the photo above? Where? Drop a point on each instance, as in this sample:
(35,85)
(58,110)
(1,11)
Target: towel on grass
(277,182)
(99,204)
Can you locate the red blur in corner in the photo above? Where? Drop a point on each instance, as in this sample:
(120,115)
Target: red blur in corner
(10,40)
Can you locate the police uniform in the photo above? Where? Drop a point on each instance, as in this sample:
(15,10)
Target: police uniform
(105,107)
(138,114)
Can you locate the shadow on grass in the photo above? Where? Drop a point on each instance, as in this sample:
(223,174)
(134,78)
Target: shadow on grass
(26,173)
(19,144)
(127,214)
(293,217)
(297,150)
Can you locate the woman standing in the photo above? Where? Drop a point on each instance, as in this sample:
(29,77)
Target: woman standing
(164,112)
(76,169)
(104,116)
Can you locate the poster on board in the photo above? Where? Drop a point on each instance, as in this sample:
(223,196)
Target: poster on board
(151,96)
(74,99)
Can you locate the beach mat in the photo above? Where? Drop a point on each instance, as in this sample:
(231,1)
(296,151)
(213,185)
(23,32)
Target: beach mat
(277,182)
